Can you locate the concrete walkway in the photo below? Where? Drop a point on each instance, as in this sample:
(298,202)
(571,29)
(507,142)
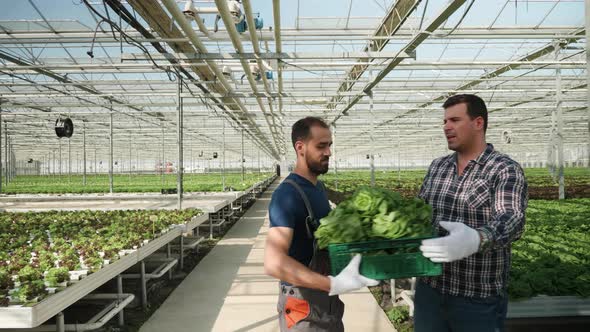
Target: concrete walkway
(228,290)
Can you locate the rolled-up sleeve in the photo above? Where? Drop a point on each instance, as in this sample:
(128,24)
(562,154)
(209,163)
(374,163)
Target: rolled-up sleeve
(510,202)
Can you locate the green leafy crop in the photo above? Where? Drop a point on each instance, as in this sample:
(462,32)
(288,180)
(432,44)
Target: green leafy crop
(374,213)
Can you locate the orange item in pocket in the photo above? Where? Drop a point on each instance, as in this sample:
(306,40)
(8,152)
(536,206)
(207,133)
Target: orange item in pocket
(295,311)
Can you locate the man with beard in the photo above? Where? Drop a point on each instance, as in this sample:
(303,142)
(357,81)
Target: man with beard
(479,197)
(308,298)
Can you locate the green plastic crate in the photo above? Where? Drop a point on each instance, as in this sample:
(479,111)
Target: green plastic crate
(385,266)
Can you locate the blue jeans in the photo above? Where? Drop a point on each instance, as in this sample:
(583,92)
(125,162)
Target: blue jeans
(437,312)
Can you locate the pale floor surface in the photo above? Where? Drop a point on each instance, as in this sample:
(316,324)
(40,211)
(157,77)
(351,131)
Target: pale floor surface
(228,290)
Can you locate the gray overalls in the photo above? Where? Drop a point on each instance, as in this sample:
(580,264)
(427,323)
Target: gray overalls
(306,309)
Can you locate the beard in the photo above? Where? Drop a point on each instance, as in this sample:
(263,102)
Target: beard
(317,167)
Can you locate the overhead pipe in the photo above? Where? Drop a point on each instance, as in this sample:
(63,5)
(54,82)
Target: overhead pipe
(357,34)
(194,13)
(305,92)
(130,19)
(276,10)
(254,38)
(183,23)
(237,43)
(201,25)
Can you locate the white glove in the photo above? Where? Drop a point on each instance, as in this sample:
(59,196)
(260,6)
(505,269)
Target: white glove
(462,241)
(350,279)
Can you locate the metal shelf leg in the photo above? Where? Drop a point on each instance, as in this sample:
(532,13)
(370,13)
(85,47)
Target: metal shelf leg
(143,287)
(120,292)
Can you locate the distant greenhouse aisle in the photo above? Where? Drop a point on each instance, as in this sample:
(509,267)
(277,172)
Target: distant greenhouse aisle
(99,183)
(407,182)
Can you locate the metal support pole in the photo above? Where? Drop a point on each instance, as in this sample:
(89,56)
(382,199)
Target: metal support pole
(211,224)
(84,153)
(60,324)
(59,158)
(181,258)
(163,163)
(559,114)
(168,255)
(223,157)
(9,160)
(13,156)
(9,153)
(1,166)
(335,158)
(372,153)
(179,169)
(587,4)
(252,157)
(12,160)
(192,157)
(242,155)
(399,162)
(6,152)
(111,151)
(69,160)
(120,292)
(137,163)
(130,158)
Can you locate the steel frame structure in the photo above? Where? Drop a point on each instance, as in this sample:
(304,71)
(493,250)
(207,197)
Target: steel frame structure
(407,56)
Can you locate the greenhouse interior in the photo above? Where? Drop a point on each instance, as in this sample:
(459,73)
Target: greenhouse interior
(143,144)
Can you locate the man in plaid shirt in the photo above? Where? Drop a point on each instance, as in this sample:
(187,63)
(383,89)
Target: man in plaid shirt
(479,197)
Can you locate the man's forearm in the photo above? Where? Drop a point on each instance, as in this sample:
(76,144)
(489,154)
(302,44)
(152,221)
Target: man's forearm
(288,269)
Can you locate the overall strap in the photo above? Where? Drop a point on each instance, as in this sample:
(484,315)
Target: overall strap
(310,217)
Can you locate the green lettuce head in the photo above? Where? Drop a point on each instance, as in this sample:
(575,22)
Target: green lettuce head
(367,200)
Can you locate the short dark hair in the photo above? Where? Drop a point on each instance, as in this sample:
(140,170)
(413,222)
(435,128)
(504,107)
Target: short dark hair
(302,128)
(475,106)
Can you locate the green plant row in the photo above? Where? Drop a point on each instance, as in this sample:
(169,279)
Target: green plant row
(553,255)
(400,318)
(348,181)
(99,183)
(41,249)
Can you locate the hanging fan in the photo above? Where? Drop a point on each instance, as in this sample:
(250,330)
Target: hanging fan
(64,127)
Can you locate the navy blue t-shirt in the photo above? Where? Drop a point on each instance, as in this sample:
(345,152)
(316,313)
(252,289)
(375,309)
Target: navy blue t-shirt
(287,209)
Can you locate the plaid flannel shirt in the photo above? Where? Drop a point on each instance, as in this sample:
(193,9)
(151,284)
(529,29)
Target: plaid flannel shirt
(490,196)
